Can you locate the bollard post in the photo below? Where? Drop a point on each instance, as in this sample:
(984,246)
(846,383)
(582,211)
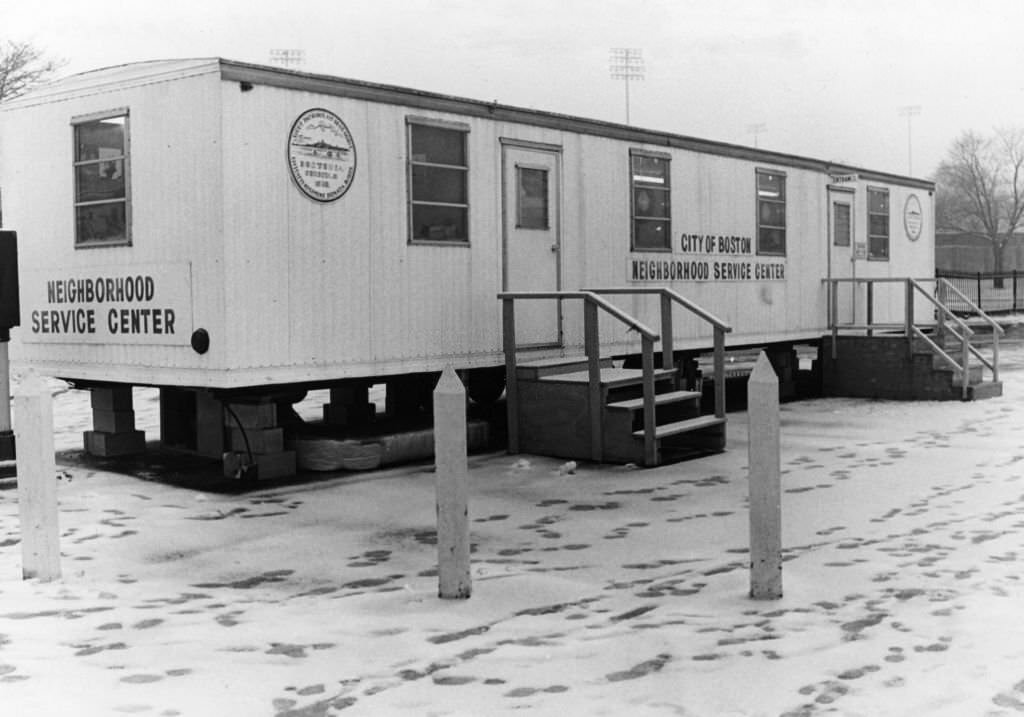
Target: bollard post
(765,491)
(451,476)
(37,480)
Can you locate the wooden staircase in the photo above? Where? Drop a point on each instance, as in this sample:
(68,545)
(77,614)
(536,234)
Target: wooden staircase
(585,407)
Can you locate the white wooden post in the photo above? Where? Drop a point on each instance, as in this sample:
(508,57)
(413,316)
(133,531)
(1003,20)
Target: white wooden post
(765,493)
(451,476)
(37,480)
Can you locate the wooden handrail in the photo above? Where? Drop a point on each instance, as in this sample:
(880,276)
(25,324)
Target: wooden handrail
(968,331)
(910,329)
(586,295)
(675,296)
(592,347)
(997,330)
(668,297)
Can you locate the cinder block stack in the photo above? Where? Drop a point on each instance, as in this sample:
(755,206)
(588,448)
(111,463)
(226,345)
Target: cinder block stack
(257,439)
(113,423)
(350,406)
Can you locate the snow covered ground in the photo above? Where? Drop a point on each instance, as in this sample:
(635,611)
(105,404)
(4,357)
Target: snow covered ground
(606,592)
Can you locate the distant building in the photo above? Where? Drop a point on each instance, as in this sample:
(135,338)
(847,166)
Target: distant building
(955,251)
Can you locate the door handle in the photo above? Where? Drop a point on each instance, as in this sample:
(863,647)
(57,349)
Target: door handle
(554,248)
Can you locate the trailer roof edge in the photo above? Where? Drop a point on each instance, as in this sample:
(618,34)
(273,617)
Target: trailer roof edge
(232,70)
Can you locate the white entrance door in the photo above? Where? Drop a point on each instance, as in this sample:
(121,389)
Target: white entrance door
(842,263)
(530,187)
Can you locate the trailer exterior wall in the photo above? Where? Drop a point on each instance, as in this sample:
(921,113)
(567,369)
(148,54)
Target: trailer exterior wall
(332,290)
(175,185)
(292,290)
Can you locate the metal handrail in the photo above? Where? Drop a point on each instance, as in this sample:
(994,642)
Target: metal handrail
(592,347)
(668,297)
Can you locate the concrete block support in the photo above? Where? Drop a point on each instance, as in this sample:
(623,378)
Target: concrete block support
(109,445)
(209,425)
(350,405)
(256,443)
(113,421)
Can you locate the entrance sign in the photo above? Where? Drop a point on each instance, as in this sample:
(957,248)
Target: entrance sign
(843,178)
(321,155)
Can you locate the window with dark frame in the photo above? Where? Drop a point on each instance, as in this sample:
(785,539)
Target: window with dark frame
(531,198)
(651,202)
(878,223)
(102,207)
(771,213)
(438,183)
(841,223)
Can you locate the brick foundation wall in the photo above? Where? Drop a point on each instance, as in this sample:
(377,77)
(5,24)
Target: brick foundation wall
(882,367)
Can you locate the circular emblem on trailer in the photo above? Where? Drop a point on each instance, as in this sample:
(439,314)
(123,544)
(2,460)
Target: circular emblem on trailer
(913,217)
(321,155)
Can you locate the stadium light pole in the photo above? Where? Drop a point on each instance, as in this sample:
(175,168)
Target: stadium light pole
(626,63)
(909,111)
(756,129)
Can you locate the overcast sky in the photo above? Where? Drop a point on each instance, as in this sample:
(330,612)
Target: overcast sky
(822,78)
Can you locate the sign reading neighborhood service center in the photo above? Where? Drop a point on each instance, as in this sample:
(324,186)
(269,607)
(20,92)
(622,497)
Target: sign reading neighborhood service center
(321,155)
(140,304)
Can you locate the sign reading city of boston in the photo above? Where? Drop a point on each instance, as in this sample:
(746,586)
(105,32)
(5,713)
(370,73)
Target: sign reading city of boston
(138,304)
(321,155)
(707,257)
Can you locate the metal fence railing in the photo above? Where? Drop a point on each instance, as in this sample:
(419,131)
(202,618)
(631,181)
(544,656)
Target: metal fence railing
(992,292)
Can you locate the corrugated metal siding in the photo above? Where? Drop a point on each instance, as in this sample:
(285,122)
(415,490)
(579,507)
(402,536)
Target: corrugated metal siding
(175,194)
(291,289)
(711,195)
(327,290)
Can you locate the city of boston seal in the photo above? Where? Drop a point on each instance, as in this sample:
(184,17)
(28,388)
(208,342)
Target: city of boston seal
(321,155)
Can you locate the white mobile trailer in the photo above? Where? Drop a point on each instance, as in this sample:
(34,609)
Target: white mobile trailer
(178,226)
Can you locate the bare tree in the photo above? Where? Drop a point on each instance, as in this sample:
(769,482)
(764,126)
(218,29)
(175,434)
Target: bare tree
(980,188)
(22,66)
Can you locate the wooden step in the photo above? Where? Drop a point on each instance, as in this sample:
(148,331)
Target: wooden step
(985,389)
(539,368)
(661,399)
(610,377)
(690,424)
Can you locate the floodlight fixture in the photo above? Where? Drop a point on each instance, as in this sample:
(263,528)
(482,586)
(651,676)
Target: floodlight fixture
(626,63)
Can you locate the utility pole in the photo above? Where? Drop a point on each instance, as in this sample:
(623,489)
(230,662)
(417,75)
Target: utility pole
(626,63)
(756,129)
(909,111)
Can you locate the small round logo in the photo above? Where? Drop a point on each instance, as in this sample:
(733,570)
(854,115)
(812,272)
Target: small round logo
(321,155)
(913,217)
